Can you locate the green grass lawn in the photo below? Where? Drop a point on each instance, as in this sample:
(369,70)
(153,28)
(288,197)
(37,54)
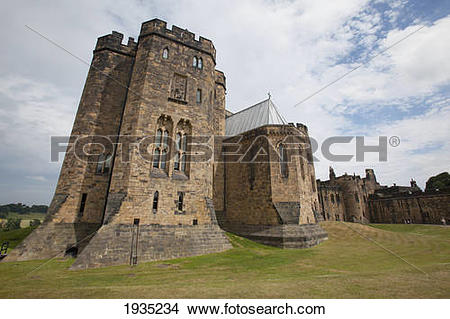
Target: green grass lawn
(345,266)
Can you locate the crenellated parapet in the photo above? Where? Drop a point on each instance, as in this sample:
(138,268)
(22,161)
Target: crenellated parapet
(182,36)
(303,128)
(220,78)
(113,42)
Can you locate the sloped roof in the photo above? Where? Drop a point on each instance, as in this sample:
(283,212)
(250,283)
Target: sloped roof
(263,113)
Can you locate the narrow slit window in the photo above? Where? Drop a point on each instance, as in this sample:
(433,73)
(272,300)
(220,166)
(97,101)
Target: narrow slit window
(283,161)
(180,201)
(83,202)
(199,96)
(155,202)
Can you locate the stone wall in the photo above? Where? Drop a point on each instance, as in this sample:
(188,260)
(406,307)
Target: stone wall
(353,192)
(163,95)
(415,208)
(331,201)
(282,236)
(119,244)
(263,202)
(99,114)
(51,240)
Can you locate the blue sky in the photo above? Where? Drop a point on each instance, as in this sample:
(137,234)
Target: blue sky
(290,48)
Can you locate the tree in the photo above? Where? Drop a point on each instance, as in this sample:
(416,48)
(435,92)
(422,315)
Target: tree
(13,223)
(440,182)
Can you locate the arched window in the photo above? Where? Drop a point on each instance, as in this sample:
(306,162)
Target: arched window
(177,155)
(332,198)
(165,53)
(100,161)
(158,137)
(180,156)
(194,62)
(155,202)
(356,198)
(163,159)
(103,164)
(161,149)
(156,156)
(200,63)
(283,160)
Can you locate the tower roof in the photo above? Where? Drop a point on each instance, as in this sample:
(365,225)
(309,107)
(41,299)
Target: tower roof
(263,113)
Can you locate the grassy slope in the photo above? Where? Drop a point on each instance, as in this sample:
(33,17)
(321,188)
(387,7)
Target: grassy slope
(345,266)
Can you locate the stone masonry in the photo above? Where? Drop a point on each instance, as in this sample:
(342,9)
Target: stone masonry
(134,186)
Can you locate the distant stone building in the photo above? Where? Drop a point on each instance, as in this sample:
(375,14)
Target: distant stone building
(152,168)
(345,197)
(365,200)
(394,205)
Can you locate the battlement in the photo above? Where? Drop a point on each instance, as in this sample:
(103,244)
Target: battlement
(302,127)
(220,78)
(159,27)
(113,42)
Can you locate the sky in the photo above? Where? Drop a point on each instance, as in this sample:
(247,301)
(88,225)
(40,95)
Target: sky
(291,49)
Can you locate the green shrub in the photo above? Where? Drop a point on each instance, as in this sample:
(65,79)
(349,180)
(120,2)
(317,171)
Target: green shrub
(12,223)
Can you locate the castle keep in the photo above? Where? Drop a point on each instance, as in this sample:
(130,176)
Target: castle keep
(134,185)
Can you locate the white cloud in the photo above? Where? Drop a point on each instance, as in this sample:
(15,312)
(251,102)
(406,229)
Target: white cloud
(290,48)
(37,178)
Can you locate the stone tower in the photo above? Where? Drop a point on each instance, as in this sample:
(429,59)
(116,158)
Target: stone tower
(135,202)
(76,210)
(161,199)
(270,193)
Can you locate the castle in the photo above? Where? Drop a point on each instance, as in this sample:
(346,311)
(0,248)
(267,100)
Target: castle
(156,168)
(363,200)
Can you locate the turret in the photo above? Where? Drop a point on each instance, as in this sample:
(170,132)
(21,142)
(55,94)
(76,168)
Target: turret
(370,174)
(332,174)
